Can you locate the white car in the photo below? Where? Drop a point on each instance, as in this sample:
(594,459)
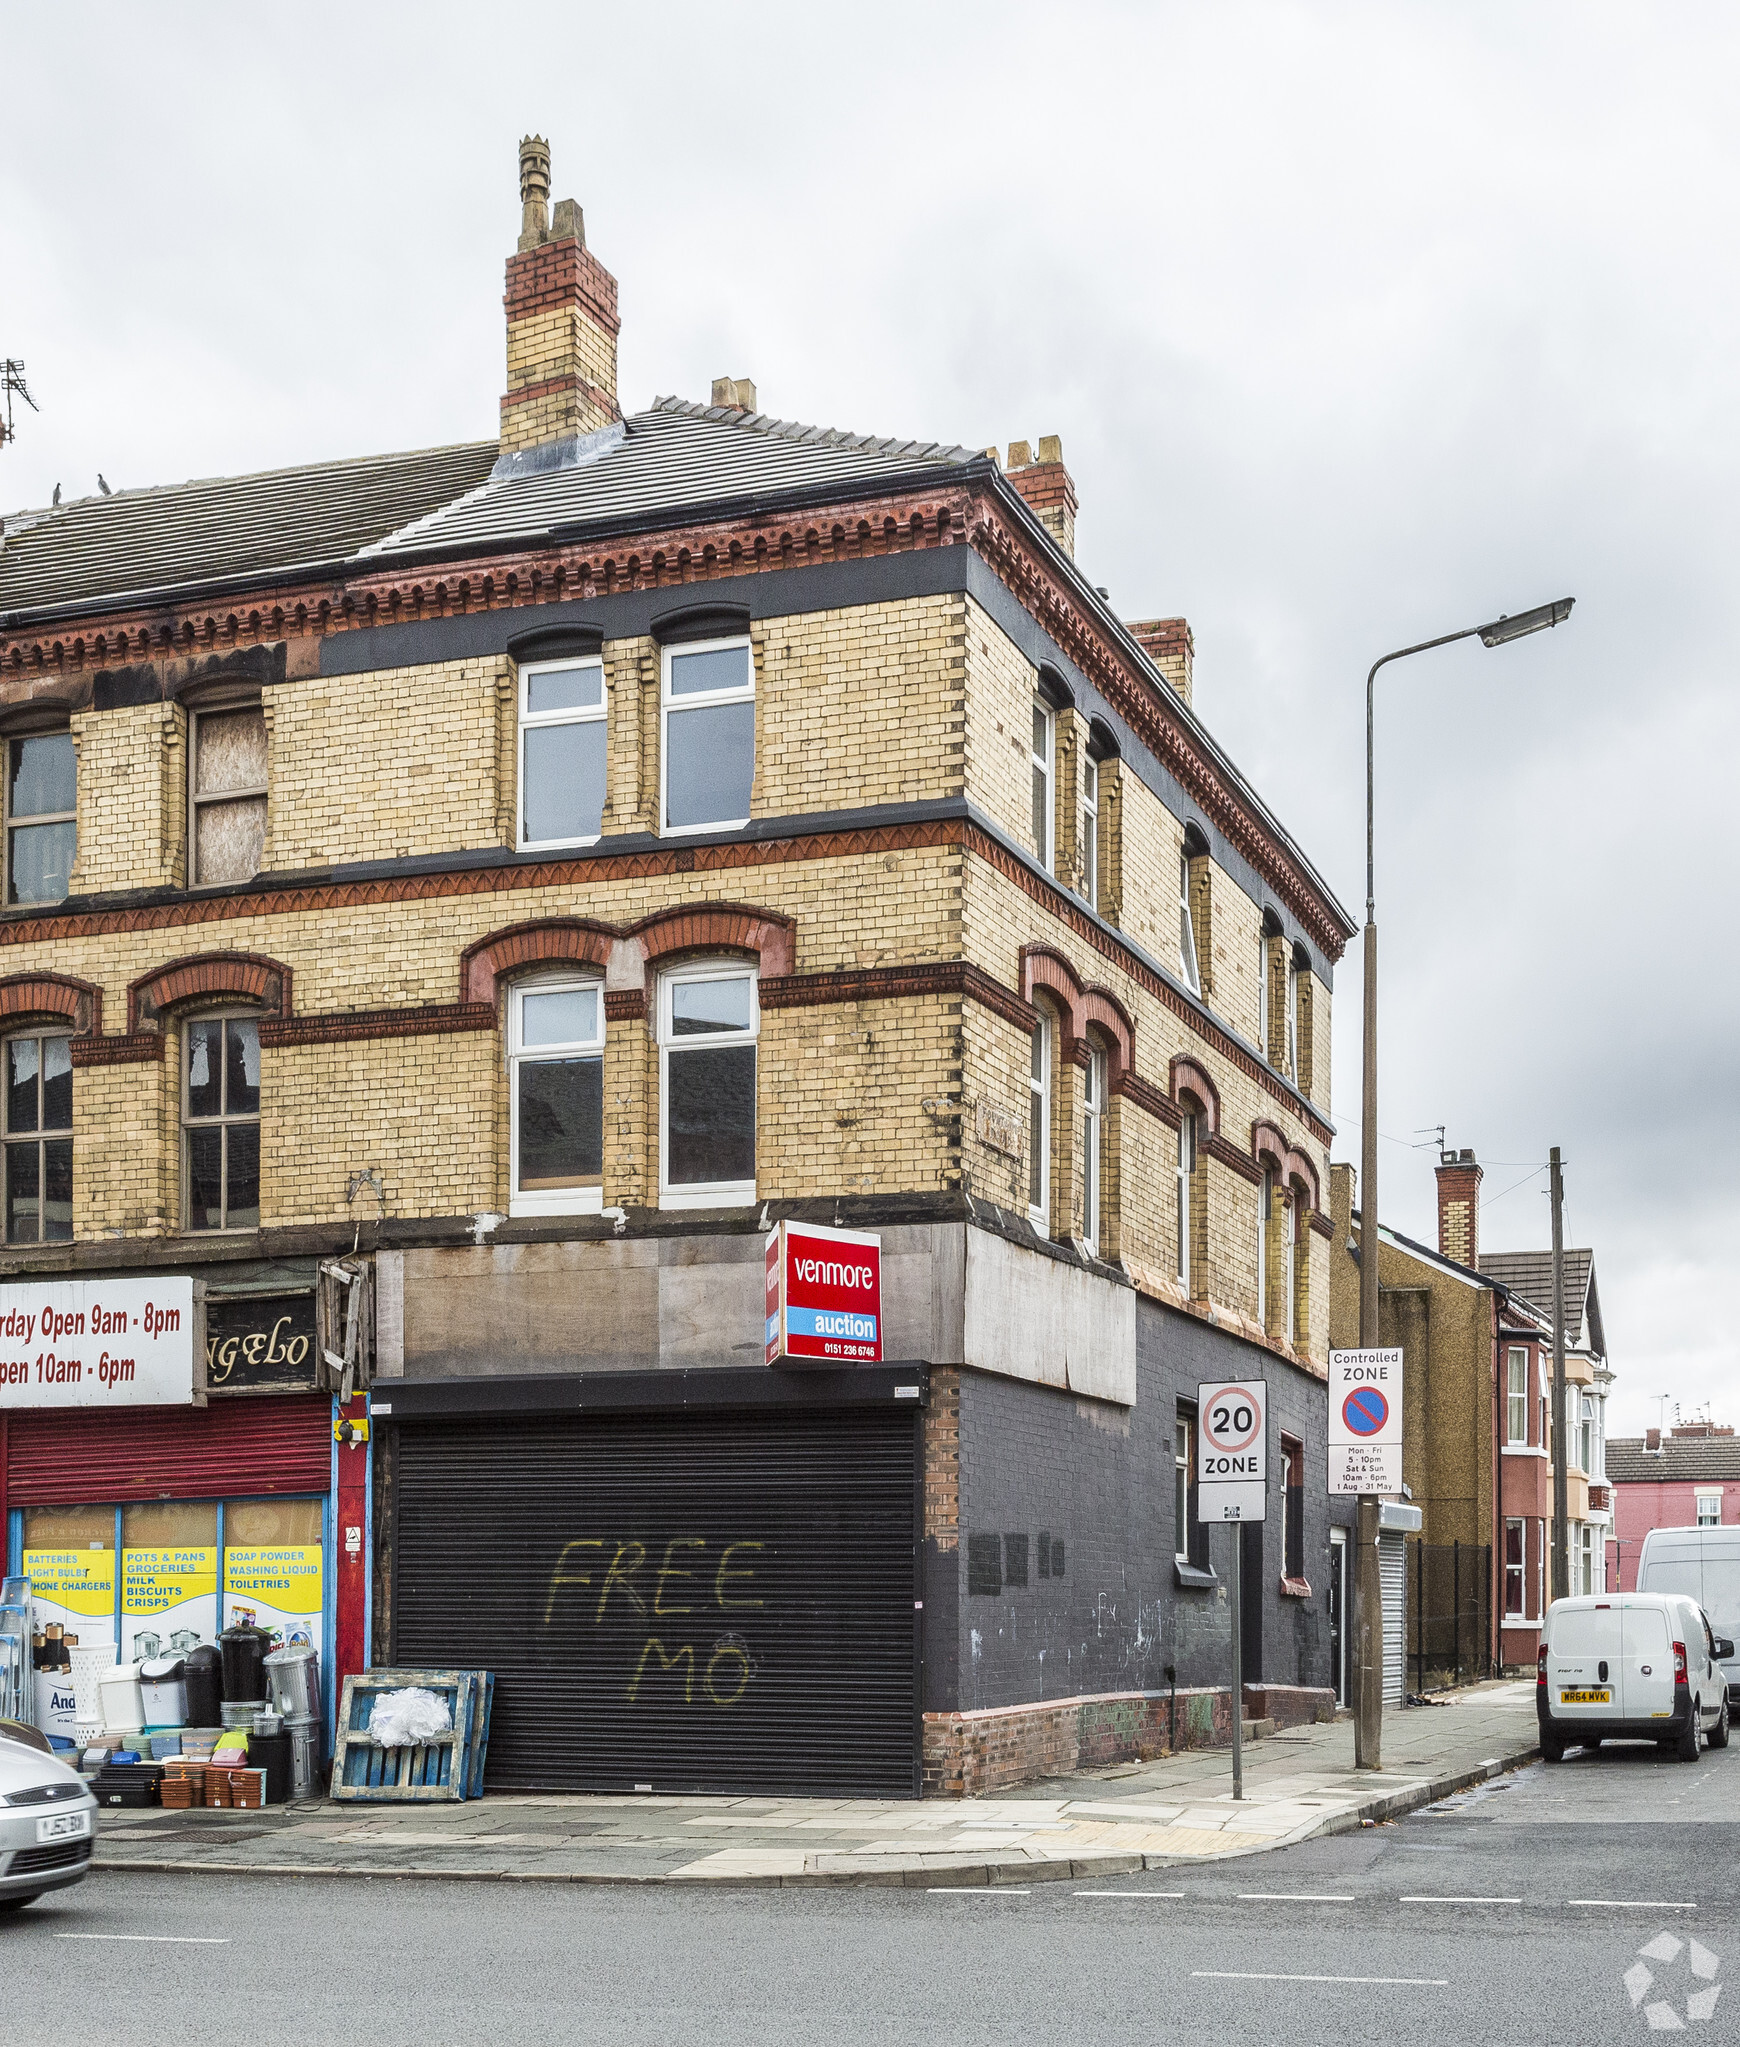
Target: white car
(1631,1666)
(48,1820)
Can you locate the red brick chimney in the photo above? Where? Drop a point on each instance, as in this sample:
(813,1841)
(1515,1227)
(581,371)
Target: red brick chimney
(1171,646)
(1047,486)
(561,326)
(1652,1439)
(1459,1178)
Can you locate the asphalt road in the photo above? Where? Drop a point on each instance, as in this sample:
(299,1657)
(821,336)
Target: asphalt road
(1510,1915)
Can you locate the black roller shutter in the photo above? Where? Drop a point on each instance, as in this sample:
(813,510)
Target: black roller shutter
(714,1603)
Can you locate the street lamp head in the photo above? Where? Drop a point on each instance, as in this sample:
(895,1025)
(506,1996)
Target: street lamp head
(1503,630)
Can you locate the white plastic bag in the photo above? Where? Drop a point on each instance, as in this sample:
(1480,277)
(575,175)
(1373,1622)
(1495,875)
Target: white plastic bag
(402,1719)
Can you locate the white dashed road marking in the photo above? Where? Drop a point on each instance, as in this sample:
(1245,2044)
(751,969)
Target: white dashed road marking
(1260,1976)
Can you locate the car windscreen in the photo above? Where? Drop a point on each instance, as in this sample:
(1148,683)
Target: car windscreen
(1584,1631)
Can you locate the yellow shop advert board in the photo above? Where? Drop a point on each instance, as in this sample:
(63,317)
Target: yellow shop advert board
(168,1600)
(278,1586)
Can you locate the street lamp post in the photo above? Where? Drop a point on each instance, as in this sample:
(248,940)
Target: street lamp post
(1367,1586)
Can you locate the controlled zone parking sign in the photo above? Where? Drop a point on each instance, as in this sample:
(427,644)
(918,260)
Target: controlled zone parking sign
(1232,1450)
(1365,1421)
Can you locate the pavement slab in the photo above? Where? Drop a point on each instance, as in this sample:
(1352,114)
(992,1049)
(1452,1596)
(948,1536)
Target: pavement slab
(1177,1809)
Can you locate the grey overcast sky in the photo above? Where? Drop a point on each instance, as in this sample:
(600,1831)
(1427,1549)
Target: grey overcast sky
(1359,324)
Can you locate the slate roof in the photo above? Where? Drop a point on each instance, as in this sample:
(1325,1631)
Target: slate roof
(138,541)
(674,456)
(1703,1457)
(1530,1273)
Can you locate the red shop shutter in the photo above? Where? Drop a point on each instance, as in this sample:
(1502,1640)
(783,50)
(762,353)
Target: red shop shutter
(73,1458)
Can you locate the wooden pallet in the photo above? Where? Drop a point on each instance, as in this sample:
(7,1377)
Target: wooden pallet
(450,1768)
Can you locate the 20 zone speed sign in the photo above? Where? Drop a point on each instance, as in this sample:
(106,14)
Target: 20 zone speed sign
(1232,1455)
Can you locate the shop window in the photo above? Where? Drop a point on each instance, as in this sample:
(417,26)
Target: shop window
(562,753)
(709,1019)
(1043,758)
(1093,1123)
(274,1568)
(1513,1567)
(1292,1508)
(1516,1407)
(69,1558)
(1090,831)
(707,758)
(41,816)
(556,1081)
(1709,1510)
(169,1558)
(1039,1126)
(38,1140)
(221,1122)
(228,795)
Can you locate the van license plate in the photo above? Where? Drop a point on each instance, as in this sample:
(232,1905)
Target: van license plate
(63,1826)
(1587,1697)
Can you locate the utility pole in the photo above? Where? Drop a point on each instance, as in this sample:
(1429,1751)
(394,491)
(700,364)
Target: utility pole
(1561,1485)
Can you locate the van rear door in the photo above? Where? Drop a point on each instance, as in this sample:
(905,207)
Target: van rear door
(1646,1662)
(1583,1655)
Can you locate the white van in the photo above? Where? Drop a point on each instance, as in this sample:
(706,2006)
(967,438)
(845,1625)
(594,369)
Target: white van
(1704,1564)
(1634,1666)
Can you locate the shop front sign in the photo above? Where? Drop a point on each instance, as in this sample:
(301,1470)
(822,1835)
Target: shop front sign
(102,1343)
(260,1343)
(824,1295)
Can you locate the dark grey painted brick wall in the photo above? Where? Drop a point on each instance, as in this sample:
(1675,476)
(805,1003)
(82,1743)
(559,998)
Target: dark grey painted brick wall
(1100,1478)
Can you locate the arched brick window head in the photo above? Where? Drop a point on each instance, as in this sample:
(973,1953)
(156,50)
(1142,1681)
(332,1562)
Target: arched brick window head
(208,978)
(56,998)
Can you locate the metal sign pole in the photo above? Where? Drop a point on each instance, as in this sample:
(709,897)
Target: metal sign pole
(1238,1689)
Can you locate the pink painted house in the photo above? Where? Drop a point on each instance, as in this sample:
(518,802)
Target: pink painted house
(1690,1479)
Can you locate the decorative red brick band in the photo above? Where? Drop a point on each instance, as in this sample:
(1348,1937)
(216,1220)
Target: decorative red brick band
(624,1005)
(1318,1221)
(529,394)
(341,1026)
(139,1049)
(879,984)
(1231,1157)
(208,977)
(568,873)
(560,273)
(59,996)
(1147,1096)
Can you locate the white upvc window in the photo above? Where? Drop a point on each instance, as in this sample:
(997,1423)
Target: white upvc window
(1516,1428)
(1092,1135)
(1044,741)
(1710,1510)
(1090,830)
(562,752)
(1586,1437)
(1263,996)
(1265,1216)
(220,1115)
(1292,1017)
(1186,929)
(709,1019)
(707,741)
(1295,1212)
(556,1089)
(1181,1486)
(1039,1125)
(1186,1166)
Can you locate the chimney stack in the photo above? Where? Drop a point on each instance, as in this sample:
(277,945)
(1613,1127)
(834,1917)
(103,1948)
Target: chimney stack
(1652,1439)
(1047,486)
(1459,1178)
(1171,646)
(736,392)
(561,329)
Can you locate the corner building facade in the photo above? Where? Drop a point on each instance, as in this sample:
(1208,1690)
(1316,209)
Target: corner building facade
(579,851)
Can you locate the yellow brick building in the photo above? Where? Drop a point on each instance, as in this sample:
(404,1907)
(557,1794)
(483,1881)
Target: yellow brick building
(533,870)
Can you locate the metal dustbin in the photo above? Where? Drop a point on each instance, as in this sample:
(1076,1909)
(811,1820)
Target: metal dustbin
(304,1735)
(293,1675)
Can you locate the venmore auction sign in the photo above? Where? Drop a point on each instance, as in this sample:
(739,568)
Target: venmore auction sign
(101,1343)
(824,1295)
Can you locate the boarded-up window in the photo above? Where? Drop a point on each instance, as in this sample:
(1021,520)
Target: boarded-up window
(229,794)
